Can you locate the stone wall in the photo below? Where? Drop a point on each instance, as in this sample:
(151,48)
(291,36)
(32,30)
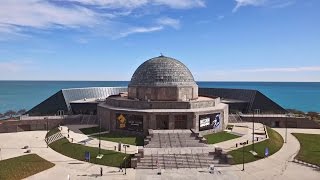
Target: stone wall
(123,102)
(292,122)
(170,93)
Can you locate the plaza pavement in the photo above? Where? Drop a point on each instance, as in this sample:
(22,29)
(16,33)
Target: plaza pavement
(78,136)
(277,166)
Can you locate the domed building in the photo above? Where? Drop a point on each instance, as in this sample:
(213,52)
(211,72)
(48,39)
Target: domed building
(162,94)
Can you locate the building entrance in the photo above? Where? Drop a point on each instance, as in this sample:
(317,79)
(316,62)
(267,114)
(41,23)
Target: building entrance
(162,121)
(180,122)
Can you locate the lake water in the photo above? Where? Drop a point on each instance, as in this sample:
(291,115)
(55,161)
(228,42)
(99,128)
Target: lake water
(17,95)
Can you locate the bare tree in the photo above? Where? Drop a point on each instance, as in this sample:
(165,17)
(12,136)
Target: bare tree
(21,111)
(9,113)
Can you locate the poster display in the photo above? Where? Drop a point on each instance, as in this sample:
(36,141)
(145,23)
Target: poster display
(129,122)
(210,121)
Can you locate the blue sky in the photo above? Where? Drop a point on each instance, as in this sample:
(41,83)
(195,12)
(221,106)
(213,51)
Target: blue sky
(219,40)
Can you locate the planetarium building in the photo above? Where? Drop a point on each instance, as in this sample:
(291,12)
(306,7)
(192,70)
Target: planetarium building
(162,94)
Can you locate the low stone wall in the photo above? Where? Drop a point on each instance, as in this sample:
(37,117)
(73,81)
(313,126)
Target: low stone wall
(136,104)
(9,126)
(291,122)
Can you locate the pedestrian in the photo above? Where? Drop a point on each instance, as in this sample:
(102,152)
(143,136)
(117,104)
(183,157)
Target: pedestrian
(120,170)
(101,171)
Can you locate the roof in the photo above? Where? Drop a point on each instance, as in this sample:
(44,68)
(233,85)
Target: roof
(250,99)
(62,99)
(162,71)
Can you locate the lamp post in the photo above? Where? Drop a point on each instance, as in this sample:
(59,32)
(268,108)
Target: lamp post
(125,162)
(46,118)
(286,136)
(253,130)
(99,136)
(243,144)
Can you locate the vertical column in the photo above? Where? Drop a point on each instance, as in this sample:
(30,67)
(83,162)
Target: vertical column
(171,121)
(196,121)
(152,121)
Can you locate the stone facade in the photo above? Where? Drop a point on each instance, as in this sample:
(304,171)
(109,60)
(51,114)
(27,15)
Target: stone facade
(162,94)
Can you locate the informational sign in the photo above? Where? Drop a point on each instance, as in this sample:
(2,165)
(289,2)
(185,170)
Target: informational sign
(209,121)
(87,156)
(204,122)
(216,122)
(266,152)
(129,122)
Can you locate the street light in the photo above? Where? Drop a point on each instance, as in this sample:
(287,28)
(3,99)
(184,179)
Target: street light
(243,144)
(253,131)
(46,118)
(99,136)
(125,162)
(286,136)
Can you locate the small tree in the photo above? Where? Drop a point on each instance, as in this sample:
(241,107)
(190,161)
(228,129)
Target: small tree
(21,111)
(10,113)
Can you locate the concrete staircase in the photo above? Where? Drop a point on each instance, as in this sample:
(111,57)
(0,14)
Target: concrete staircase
(170,161)
(171,140)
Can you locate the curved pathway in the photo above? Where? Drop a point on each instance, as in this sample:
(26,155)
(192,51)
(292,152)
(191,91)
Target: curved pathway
(277,166)
(11,144)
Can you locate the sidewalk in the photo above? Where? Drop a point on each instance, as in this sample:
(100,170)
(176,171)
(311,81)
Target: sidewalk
(246,129)
(80,138)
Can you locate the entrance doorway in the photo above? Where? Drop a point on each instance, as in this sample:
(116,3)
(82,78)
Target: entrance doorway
(180,122)
(162,121)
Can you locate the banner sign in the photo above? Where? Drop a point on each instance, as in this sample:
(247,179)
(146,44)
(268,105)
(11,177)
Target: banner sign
(209,121)
(129,122)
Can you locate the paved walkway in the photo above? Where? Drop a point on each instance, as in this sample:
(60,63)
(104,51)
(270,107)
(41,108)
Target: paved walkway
(79,137)
(11,144)
(246,130)
(277,166)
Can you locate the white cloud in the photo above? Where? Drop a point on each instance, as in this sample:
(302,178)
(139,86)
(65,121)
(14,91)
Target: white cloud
(295,74)
(18,18)
(16,15)
(180,4)
(135,30)
(132,4)
(268,3)
(13,66)
(242,3)
(166,21)
(287,69)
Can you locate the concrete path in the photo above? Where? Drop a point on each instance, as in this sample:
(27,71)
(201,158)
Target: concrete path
(246,130)
(277,166)
(79,137)
(11,144)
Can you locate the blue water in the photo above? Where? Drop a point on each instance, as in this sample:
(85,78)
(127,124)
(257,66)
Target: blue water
(17,95)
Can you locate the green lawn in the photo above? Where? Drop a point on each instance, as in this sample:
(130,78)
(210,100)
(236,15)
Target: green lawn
(274,144)
(23,166)
(219,137)
(91,130)
(310,148)
(126,139)
(77,151)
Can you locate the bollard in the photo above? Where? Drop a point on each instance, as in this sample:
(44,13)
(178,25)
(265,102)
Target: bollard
(115,148)
(247,141)
(257,139)
(71,139)
(236,144)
